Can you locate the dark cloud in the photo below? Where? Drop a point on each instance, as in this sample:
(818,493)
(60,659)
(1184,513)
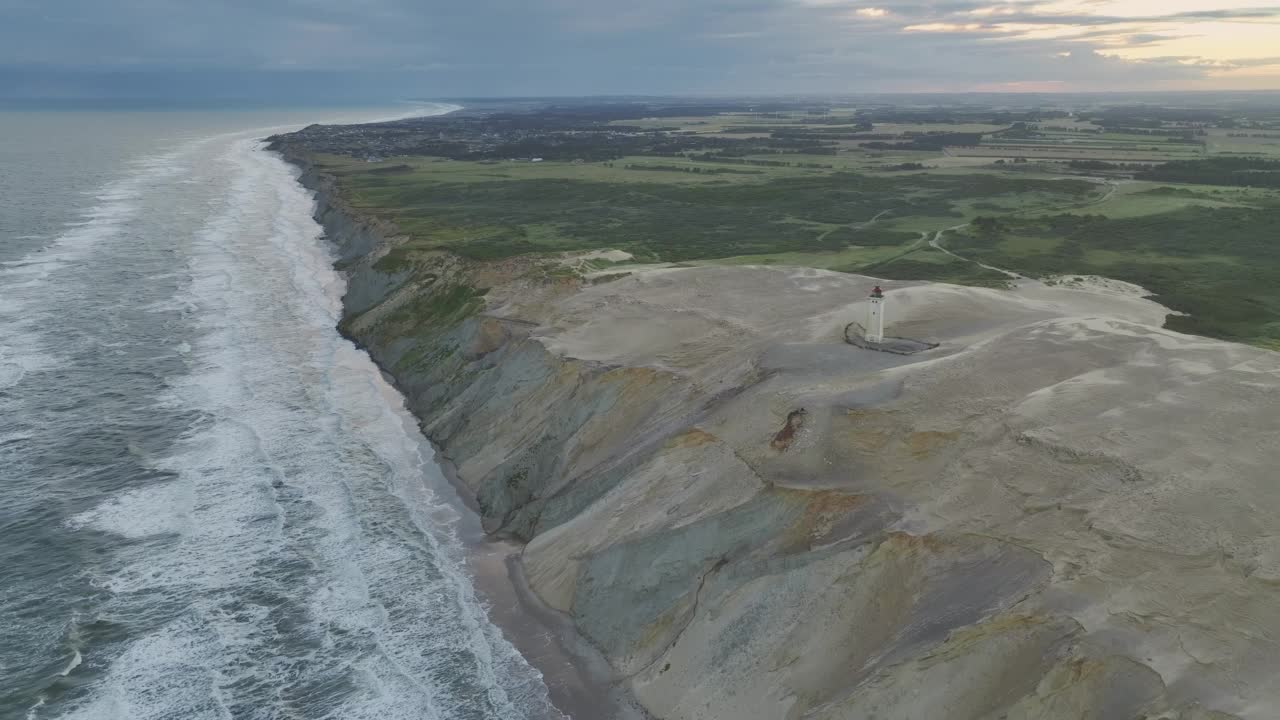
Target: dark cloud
(1147,39)
(1094,21)
(1241,14)
(1251,62)
(438,47)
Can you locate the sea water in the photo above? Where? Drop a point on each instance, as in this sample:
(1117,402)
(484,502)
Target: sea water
(211,504)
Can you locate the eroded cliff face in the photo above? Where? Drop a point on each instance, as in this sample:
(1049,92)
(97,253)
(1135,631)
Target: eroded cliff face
(1061,512)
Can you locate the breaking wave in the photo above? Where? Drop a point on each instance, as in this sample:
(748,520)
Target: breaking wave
(260,541)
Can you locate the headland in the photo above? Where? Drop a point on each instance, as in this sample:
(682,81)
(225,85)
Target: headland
(1060,510)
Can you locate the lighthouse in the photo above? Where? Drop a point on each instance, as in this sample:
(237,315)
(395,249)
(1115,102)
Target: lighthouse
(875,316)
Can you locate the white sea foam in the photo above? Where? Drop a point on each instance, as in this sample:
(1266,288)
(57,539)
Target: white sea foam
(76,660)
(167,674)
(303,458)
(27,296)
(10,374)
(153,510)
(16,360)
(7,438)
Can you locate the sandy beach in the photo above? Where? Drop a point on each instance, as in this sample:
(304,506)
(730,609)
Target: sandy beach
(580,681)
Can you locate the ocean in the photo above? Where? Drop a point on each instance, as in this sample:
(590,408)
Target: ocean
(211,504)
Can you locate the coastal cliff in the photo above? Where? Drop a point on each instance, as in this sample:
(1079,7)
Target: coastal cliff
(1062,511)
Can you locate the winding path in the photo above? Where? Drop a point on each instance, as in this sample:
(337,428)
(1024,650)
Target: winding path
(937,245)
(856,226)
(936,241)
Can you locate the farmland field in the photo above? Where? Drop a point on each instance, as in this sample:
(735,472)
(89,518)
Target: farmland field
(1220,265)
(490,211)
(1187,211)
(1119,153)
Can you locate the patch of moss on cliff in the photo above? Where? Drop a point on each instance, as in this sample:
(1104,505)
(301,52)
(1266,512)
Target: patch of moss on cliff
(425,353)
(439,308)
(396,260)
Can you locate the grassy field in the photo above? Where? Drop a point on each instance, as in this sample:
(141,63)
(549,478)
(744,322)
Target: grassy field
(1221,141)
(488,211)
(1219,265)
(414,170)
(1048,151)
(1210,251)
(842,260)
(1134,199)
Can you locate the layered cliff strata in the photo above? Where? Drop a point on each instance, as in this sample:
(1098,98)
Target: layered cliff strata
(1062,511)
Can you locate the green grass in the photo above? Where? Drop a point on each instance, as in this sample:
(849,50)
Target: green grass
(1209,251)
(847,260)
(443,170)
(1024,246)
(929,264)
(1136,199)
(439,307)
(1220,266)
(496,210)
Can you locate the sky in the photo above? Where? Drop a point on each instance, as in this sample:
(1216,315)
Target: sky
(384,49)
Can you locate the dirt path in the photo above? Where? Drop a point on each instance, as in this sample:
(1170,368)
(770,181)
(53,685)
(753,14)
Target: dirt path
(856,226)
(872,221)
(936,241)
(936,244)
(1112,186)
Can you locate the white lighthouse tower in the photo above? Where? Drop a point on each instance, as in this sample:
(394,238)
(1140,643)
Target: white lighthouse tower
(875,316)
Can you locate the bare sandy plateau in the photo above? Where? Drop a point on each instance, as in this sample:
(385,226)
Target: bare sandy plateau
(1063,511)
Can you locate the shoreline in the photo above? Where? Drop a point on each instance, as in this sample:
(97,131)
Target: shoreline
(579,681)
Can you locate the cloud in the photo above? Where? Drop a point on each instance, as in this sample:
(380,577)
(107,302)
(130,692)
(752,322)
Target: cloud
(481,47)
(1040,86)
(1146,39)
(1240,14)
(949,27)
(1249,62)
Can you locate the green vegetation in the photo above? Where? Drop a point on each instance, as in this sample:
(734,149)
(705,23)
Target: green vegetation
(1242,171)
(694,169)
(493,216)
(1180,201)
(929,264)
(439,308)
(1221,266)
(852,259)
